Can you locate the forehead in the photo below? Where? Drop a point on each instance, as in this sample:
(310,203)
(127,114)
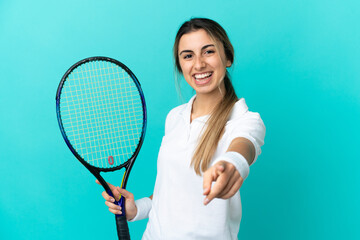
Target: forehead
(195,40)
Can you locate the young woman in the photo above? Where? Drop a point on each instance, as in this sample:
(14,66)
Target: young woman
(208,146)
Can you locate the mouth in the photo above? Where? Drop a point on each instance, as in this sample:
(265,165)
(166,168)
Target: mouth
(202,78)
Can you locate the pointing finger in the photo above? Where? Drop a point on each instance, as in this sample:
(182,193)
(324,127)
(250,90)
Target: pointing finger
(216,189)
(209,176)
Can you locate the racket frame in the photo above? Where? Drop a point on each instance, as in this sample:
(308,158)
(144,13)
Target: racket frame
(95,170)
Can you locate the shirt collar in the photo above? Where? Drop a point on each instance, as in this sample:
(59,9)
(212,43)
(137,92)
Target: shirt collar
(239,109)
(186,111)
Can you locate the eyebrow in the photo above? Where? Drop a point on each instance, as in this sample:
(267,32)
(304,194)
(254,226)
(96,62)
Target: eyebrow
(204,47)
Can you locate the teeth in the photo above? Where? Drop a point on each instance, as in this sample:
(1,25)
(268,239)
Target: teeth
(203,75)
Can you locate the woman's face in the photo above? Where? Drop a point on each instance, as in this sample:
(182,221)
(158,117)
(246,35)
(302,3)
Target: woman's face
(203,62)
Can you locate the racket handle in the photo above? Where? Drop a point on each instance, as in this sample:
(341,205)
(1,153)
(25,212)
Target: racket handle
(122,227)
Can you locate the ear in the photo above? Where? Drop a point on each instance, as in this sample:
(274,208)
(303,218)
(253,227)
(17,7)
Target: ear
(228,63)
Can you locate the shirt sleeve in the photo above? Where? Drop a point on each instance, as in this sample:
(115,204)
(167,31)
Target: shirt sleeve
(250,126)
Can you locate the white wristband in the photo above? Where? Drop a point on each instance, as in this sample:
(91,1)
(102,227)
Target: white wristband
(143,206)
(237,160)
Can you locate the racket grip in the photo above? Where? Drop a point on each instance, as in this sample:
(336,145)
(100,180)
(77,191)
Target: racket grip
(122,227)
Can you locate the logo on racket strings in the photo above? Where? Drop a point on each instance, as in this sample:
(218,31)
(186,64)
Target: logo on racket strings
(111,160)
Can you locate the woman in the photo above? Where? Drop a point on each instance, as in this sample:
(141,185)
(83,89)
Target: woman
(208,146)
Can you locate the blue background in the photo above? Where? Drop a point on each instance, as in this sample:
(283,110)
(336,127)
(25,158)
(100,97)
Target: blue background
(297,64)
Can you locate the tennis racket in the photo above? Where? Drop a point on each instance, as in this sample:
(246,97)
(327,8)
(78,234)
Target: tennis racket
(102,116)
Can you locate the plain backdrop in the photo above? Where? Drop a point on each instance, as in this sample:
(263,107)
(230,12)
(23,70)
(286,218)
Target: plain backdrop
(297,64)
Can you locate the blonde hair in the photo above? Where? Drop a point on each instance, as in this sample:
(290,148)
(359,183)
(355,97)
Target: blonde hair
(216,123)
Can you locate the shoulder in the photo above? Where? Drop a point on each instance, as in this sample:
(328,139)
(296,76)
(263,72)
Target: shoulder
(241,115)
(247,124)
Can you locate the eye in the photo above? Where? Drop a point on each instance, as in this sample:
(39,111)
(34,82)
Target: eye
(209,52)
(187,56)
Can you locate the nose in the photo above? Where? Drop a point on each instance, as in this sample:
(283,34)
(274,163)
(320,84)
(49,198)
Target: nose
(199,63)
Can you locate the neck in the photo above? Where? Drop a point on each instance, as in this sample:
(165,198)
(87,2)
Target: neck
(204,104)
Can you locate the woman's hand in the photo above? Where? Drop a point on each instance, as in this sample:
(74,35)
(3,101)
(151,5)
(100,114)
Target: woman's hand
(130,207)
(227,181)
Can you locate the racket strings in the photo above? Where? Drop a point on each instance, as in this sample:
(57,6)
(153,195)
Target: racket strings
(103,128)
(102,113)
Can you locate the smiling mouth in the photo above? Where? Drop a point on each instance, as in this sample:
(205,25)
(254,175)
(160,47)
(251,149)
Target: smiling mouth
(202,78)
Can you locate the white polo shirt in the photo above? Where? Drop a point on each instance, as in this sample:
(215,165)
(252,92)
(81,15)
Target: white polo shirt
(177,209)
